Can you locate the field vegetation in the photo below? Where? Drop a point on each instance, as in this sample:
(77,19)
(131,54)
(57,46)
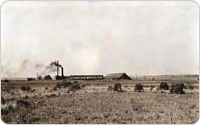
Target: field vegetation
(102,101)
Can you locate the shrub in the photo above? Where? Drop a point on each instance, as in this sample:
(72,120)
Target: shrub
(164,86)
(138,88)
(32,90)
(110,88)
(75,86)
(63,84)
(23,103)
(177,88)
(12,93)
(46,88)
(117,87)
(26,97)
(72,85)
(6,80)
(8,88)
(54,88)
(2,100)
(152,87)
(25,88)
(8,109)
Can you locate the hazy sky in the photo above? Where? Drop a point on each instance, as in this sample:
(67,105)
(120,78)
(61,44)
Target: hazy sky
(100,37)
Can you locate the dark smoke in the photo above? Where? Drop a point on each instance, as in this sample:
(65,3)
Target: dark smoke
(27,67)
(49,69)
(52,67)
(55,63)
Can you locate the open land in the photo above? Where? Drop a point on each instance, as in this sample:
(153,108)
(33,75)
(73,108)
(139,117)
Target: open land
(94,103)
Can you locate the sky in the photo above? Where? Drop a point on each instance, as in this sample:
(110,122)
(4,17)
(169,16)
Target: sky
(100,37)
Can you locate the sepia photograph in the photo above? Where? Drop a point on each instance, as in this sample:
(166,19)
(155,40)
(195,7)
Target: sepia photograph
(99,62)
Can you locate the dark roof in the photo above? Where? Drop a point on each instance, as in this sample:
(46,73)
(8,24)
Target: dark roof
(115,75)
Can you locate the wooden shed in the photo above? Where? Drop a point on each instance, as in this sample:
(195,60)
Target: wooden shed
(118,76)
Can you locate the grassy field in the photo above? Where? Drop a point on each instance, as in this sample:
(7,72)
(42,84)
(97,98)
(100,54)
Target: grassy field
(94,103)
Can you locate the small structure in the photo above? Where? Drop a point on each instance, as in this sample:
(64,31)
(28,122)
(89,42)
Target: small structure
(118,76)
(25,88)
(13,79)
(31,79)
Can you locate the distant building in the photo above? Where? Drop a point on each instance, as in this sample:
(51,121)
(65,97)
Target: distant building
(85,77)
(31,79)
(13,79)
(118,76)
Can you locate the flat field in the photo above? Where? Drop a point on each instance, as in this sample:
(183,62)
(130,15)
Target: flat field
(94,103)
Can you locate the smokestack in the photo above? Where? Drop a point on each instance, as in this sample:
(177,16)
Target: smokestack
(62,71)
(57,62)
(57,70)
(58,66)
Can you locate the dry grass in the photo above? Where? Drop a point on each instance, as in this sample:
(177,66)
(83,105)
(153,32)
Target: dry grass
(95,104)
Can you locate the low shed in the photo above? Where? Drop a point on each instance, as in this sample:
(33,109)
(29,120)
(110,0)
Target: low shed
(86,77)
(118,76)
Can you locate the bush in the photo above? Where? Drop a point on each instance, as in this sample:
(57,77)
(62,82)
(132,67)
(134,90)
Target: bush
(32,90)
(177,88)
(164,86)
(26,88)
(63,84)
(23,103)
(138,88)
(8,88)
(54,88)
(117,87)
(6,80)
(152,87)
(12,93)
(8,109)
(2,100)
(26,97)
(72,85)
(75,86)
(110,88)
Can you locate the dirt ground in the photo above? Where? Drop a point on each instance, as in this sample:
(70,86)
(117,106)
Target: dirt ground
(95,104)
